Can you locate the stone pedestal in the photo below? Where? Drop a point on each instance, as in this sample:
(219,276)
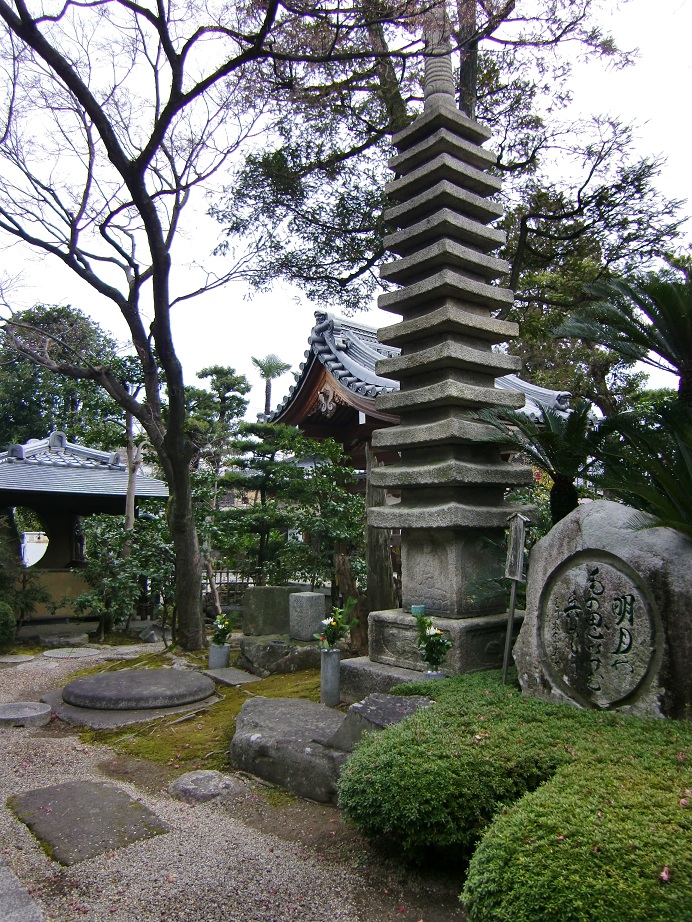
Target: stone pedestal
(478,642)
(452,573)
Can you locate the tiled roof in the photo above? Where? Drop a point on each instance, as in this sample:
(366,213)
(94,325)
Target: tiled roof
(54,465)
(349,351)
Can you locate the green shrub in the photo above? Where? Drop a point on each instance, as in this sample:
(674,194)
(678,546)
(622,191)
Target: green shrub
(8,624)
(595,844)
(577,812)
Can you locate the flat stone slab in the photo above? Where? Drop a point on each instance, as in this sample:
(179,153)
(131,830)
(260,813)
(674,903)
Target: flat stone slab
(13,659)
(24,714)
(71,653)
(229,675)
(15,903)
(136,689)
(80,819)
(203,785)
(99,719)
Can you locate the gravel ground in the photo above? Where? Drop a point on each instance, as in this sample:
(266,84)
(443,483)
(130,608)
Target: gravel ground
(210,866)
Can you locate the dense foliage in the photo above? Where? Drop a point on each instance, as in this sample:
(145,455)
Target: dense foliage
(581,815)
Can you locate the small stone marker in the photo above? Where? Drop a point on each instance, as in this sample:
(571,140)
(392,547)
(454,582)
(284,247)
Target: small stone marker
(71,653)
(80,819)
(24,714)
(135,689)
(201,786)
(306,613)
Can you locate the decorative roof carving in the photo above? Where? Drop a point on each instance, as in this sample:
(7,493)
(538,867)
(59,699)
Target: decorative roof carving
(349,351)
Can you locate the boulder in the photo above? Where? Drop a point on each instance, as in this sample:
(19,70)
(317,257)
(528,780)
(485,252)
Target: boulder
(609,615)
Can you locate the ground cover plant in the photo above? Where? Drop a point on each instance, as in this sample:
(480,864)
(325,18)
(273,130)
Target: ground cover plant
(580,815)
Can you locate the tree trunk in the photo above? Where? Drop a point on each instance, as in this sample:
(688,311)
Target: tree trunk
(381,593)
(563,498)
(468,70)
(188,560)
(349,590)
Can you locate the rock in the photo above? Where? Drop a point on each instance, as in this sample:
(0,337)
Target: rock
(277,654)
(265,610)
(609,615)
(200,786)
(55,641)
(154,633)
(131,689)
(283,741)
(306,613)
(375,713)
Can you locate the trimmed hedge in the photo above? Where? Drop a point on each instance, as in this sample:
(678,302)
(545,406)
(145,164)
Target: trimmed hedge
(577,813)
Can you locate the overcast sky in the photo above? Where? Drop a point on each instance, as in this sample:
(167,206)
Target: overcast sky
(227,328)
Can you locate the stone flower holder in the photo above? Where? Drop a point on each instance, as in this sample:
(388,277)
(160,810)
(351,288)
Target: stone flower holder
(330,676)
(219,655)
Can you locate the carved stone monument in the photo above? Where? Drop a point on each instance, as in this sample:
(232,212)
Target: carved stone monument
(451,475)
(609,615)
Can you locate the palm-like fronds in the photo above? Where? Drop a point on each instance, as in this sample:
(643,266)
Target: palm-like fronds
(655,475)
(562,445)
(650,322)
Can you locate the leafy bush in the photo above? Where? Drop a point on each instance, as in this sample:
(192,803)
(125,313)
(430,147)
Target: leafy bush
(8,624)
(604,842)
(581,815)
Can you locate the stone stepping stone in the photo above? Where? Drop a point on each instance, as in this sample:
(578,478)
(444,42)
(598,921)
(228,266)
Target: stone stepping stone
(229,675)
(201,786)
(71,653)
(57,641)
(81,819)
(13,659)
(137,689)
(24,714)
(15,903)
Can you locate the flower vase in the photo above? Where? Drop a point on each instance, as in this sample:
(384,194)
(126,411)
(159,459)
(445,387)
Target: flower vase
(219,655)
(432,674)
(330,677)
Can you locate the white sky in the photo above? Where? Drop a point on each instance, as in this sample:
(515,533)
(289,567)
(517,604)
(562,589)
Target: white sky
(227,327)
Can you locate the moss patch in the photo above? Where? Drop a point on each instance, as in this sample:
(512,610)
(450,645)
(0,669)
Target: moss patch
(202,739)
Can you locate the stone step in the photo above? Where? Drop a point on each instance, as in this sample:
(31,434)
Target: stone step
(449,318)
(445,253)
(445,223)
(450,393)
(443,167)
(442,141)
(444,194)
(429,121)
(445,284)
(450,473)
(449,354)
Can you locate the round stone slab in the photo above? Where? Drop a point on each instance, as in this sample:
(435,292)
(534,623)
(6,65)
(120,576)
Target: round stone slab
(14,658)
(71,653)
(133,689)
(24,714)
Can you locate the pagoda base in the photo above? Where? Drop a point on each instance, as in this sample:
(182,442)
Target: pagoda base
(478,643)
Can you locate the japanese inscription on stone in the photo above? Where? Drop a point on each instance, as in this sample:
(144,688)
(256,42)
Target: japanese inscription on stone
(597,631)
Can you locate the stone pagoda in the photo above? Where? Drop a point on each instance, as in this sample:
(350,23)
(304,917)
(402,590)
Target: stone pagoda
(451,474)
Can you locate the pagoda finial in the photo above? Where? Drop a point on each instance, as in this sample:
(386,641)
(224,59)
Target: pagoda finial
(439,80)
